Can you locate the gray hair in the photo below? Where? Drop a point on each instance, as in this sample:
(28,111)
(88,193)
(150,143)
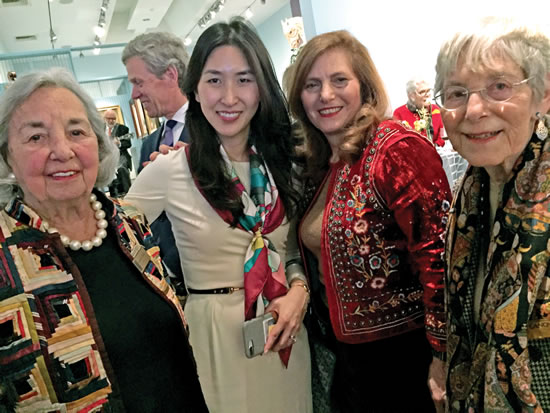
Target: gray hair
(412,84)
(19,92)
(159,50)
(498,38)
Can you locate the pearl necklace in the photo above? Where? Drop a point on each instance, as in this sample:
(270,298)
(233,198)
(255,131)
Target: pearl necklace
(100,234)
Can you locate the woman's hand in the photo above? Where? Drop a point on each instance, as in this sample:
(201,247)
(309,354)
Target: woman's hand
(164,149)
(436,384)
(290,309)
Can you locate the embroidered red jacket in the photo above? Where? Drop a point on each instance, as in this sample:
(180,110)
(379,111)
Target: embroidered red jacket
(382,239)
(404,114)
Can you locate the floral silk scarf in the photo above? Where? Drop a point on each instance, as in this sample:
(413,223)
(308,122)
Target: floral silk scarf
(264,274)
(498,363)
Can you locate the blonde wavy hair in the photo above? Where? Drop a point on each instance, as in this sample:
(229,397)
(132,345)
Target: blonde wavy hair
(374,99)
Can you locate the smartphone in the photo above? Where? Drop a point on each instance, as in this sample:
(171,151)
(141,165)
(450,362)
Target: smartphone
(255,334)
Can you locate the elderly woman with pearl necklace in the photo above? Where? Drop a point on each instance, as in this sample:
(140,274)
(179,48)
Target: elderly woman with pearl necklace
(87,318)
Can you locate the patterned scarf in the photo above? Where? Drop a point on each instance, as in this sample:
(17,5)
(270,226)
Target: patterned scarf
(486,356)
(264,274)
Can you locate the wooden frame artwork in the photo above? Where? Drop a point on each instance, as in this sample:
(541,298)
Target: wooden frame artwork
(135,118)
(144,125)
(116,109)
(152,123)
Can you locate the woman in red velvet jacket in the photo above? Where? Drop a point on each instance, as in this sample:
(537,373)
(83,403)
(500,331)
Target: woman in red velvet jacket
(371,237)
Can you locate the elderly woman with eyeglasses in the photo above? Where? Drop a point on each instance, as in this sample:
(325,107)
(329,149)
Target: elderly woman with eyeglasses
(494,88)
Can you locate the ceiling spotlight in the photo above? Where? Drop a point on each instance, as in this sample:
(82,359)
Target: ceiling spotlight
(99,30)
(97,41)
(53,36)
(212,14)
(187,41)
(248,13)
(96,51)
(202,23)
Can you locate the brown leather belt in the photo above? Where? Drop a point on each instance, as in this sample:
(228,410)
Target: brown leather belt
(223,290)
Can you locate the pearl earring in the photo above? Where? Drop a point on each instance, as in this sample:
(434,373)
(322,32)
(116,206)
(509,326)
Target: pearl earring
(542,129)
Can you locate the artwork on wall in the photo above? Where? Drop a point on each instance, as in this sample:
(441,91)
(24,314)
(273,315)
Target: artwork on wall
(293,29)
(116,109)
(144,125)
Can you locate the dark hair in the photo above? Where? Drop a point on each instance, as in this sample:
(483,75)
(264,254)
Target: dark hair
(269,128)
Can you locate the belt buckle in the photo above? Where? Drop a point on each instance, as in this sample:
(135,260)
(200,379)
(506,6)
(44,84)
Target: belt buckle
(233,289)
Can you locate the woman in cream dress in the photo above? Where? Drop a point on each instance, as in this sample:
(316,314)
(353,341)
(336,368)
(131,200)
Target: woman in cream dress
(239,128)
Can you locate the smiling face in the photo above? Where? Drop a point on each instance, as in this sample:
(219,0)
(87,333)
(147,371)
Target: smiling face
(52,149)
(488,134)
(332,94)
(228,93)
(154,93)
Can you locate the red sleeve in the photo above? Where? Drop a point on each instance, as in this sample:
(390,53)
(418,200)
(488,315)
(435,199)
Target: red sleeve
(397,114)
(437,123)
(414,185)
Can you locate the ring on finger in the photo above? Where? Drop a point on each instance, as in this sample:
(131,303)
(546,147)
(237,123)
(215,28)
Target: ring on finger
(292,338)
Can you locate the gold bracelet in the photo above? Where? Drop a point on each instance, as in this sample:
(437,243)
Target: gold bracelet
(300,284)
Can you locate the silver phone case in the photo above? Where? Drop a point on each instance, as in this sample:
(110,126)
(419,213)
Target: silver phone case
(255,333)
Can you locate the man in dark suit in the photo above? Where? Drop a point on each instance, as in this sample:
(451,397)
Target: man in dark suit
(156,64)
(152,143)
(120,185)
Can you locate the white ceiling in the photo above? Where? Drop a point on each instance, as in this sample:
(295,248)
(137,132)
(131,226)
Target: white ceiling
(73,20)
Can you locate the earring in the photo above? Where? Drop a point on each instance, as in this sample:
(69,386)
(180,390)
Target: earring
(542,130)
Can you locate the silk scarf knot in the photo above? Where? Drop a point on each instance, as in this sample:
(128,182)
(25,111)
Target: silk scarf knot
(264,274)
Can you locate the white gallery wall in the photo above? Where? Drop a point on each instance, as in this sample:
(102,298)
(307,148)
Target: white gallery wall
(403,37)
(271,33)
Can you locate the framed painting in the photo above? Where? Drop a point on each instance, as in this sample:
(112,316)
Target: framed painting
(144,125)
(116,109)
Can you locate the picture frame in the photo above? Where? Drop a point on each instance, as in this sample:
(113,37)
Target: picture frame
(116,109)
(144,125)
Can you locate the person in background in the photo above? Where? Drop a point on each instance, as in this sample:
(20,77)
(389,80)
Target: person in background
(87,319)
(156,64)
(118,132)
(493,85)
(374,215)
(420,113)
(230,201)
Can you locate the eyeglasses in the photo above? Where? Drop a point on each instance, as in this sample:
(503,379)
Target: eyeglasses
(454,97)
(424,92)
